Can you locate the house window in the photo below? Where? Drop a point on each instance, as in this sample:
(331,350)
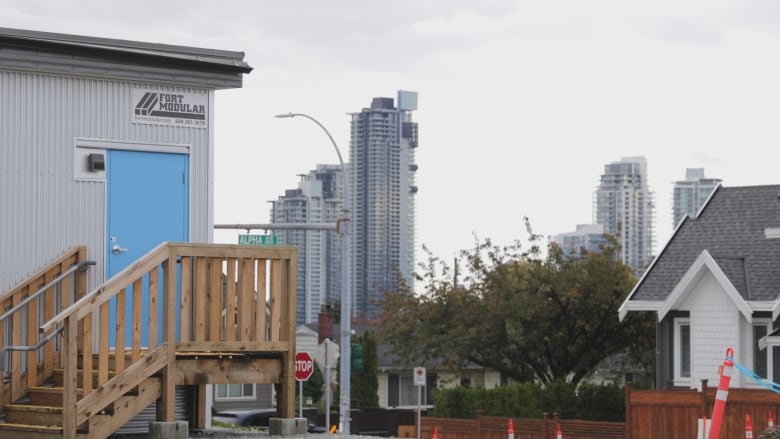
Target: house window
(234,392)
(761,357)
(682,351)
(401,390)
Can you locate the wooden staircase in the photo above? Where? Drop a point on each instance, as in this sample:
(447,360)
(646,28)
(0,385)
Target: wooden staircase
(40,414)
(218,314)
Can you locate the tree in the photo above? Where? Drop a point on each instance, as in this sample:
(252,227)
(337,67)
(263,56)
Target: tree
(365,384)
(552,318)
(314,386)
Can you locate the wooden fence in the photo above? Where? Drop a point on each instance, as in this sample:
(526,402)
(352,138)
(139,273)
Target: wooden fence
(491,427)
(674,414)
(650,414)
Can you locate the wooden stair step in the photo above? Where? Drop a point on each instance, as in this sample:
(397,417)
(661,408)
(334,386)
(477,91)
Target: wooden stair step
(48,396)
(58,377)
(128,355)
(25,431)
(33,415)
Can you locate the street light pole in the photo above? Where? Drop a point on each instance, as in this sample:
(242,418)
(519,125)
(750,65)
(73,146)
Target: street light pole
(342,227)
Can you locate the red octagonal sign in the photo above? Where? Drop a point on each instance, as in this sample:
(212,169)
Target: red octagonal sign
(304,366)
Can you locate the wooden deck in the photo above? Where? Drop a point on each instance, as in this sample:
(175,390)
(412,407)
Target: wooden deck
(184,314)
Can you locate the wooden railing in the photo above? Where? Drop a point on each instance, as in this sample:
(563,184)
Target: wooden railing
(20,328)
(178,298)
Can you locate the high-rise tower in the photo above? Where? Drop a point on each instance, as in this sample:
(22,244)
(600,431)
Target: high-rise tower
(623,204)
(382,169)
(689,195)
(318,199)
(587,237)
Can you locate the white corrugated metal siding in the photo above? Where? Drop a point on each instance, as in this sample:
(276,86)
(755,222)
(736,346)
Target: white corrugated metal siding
(44,210)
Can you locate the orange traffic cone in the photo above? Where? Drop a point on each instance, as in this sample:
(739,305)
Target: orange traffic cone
(510,431)
(558,433)
(770,421)
(748,428)
(435,432)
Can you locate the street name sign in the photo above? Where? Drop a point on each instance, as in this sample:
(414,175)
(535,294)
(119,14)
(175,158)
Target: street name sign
(257,239)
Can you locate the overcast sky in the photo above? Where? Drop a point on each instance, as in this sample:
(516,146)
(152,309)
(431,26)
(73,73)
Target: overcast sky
(521,103)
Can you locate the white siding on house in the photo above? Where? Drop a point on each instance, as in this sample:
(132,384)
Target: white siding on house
(487,379)
(447,380)
(715,326)
(306,341)
(492,379)
(382,389)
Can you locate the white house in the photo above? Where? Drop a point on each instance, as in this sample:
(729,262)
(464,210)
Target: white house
(715,286)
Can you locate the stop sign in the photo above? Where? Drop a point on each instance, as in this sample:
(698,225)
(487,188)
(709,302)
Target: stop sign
(304,366)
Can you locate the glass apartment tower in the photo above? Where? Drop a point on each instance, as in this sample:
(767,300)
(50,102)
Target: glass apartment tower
(689,195)
(317,200)
(382,169)
(623,204)
(587,238)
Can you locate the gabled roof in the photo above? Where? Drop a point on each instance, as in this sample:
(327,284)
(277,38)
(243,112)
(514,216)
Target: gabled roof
(731,228)
(703,264)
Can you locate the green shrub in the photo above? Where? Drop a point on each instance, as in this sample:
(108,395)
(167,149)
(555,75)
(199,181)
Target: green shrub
(529,400)
(602,402)
(456,402)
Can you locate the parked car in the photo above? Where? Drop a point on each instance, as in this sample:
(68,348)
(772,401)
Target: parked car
(255,418)
(245,418)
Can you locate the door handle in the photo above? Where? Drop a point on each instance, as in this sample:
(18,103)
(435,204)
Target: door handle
(116,249)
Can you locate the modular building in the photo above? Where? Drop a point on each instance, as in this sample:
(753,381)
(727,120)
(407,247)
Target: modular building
(107,144)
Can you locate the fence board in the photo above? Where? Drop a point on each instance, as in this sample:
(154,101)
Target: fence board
(215,301)
(230,301)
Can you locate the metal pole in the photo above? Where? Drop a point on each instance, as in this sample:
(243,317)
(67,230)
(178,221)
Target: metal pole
(300,398)
(278,226)
(327,388)
(346,295)
(419,411)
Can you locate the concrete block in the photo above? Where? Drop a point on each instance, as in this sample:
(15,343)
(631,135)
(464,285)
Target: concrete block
(169,430)
(287,426)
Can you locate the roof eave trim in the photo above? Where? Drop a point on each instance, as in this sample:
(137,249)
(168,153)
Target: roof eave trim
(768,341)
(776,308)
(175,57)
(763,305)
(638,305)
(624,308)
(709,198)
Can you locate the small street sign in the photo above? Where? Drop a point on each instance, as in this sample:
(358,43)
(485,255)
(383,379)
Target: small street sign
(419,376)
(304,366)
(257,239)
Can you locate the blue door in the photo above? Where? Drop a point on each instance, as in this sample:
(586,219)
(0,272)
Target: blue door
(147,203)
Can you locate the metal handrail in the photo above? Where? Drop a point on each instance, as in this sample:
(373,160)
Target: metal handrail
(41,290)
(4,357)
(4,351)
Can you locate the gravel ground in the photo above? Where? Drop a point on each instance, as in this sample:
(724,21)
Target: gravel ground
(228,433)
